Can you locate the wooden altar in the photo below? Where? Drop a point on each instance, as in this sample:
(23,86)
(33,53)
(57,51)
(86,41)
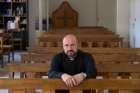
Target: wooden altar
(64,16)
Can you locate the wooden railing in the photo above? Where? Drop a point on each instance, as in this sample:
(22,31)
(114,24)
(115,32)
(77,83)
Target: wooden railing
(50,85)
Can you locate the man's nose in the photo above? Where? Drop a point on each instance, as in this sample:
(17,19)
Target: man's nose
(69,47)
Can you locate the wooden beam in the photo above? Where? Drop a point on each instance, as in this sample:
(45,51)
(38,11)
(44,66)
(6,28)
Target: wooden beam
(51,84)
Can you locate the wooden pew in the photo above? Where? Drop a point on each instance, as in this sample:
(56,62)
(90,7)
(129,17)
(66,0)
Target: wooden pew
(79,30)
(33,58)
(26,71)
(84,41)
(27,68)
(97,49)
(88,37)
(50,85)
(104,55)
(101,68)
(32,69)
(45,50)
(99,58)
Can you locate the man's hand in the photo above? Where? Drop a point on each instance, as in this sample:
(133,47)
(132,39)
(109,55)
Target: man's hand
(68,80)
(79,78)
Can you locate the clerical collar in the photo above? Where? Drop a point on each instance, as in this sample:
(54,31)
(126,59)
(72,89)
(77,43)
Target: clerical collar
(72,58)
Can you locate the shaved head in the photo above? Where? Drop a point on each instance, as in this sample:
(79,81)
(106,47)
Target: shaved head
(70,37)
(70,44)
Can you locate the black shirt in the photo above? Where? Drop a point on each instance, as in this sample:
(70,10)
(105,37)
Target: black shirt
(83,62)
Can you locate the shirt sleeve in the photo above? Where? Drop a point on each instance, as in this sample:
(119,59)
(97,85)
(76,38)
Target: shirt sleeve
(90,67)
(55,69)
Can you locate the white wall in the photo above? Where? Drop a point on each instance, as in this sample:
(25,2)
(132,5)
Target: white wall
(53,5)
(34,17)
(33,13)
(123,17)
(107,14)
(86,10)
(44,8)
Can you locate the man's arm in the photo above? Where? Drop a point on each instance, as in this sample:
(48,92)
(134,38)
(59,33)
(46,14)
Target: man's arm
(55,70)
(90,70)
(90,67)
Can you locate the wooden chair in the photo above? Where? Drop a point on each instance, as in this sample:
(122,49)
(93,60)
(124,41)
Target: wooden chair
(7,45)
(5,49)
(16,40)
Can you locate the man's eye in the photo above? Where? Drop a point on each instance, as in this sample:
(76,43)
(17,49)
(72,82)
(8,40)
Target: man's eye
(66,45)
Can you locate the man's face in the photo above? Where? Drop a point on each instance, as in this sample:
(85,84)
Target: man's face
(70,46)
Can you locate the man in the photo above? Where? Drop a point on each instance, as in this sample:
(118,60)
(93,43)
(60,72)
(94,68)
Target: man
(72,65)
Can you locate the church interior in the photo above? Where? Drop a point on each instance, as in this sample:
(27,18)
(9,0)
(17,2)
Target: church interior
(31,33)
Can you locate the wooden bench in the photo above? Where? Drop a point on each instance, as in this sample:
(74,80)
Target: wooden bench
(93,36)
(40,54)
(99,58)
(46,50)
(27,70)
(84,41)
(30,71)
(79,30)
(107,70)
(132,69)
(101,55)
(50,85)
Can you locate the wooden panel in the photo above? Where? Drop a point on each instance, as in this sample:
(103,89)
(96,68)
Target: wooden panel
(41,67)
(50,84)
(65,16)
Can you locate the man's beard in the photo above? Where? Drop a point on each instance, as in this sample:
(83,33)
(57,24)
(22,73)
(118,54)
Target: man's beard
(71,53)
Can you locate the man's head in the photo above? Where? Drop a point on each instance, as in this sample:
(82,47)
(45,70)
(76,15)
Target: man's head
(70,45)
